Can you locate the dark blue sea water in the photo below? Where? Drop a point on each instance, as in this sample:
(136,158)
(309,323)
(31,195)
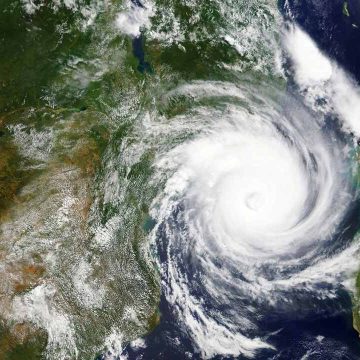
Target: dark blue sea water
(314,329)
(333,24)
(327,331)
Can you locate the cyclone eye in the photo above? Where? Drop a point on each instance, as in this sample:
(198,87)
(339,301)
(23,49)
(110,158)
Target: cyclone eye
(254,201)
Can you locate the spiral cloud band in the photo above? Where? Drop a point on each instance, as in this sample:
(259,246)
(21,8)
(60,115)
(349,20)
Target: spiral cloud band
(248,203)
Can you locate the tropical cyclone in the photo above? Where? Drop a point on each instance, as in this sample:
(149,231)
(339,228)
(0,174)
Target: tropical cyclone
(250,205)
(246,191)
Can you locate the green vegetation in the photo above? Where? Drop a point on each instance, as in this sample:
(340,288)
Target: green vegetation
(21,342)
